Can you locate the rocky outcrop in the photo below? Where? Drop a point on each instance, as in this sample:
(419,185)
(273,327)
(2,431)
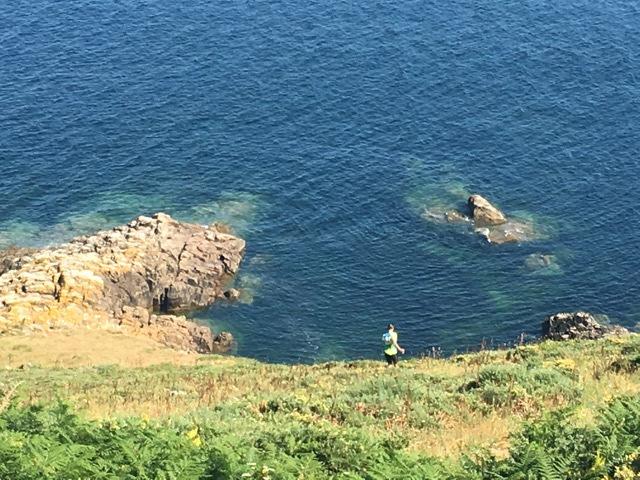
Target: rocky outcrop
(494,226)
(13,258)
(484,213)
(154,264)
(174,331)
(577,325)
(485,220)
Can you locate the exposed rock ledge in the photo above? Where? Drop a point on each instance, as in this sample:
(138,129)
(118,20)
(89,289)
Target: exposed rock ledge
(135,276)
(578,325)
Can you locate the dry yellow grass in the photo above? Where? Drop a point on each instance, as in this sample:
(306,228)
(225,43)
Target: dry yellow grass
(83,347)
(443,367)
(443,405)
(599,391)
(466,429)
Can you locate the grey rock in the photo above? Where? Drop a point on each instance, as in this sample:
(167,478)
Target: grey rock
(577,325)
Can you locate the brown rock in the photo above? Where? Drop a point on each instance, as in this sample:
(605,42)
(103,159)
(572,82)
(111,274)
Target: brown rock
(222,342)
(152,264)
(175,331)
(483,213)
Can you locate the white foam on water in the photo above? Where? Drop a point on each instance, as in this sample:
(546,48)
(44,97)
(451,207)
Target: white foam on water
(249,285)
(543,226)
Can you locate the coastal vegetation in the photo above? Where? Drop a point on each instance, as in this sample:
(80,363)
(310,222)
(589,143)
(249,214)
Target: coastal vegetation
(550,410)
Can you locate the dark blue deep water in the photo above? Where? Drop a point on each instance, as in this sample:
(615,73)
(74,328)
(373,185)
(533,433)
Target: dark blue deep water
(321,131)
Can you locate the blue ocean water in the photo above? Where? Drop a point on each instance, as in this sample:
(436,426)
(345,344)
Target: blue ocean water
(321,131)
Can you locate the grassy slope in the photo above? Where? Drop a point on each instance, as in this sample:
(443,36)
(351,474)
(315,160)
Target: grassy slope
(439,407)
(85,347)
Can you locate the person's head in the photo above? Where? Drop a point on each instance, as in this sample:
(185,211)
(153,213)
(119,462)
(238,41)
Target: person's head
(390,327)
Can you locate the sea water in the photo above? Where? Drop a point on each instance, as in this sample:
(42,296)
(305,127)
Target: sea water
(322,132)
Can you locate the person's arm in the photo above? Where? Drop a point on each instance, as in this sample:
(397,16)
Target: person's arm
(395,344)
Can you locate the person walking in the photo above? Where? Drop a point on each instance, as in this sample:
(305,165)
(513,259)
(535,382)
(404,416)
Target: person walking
(392,348)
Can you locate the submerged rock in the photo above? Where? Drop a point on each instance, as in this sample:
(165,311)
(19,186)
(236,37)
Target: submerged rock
(153,264)
(484,213)
(434,215)
(513,231)
(454,216)
(443,215)
(540,262)
(577,325)
(536,261)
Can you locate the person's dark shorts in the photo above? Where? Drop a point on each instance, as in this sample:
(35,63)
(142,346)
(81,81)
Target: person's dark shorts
(391,359)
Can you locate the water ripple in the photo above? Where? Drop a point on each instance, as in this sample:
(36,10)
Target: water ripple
(320,131)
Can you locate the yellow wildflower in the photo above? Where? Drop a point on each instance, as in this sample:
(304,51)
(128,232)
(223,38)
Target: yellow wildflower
(194,436)
(265,473)
(566,364)
(624,473)
(619,339)
(598,462)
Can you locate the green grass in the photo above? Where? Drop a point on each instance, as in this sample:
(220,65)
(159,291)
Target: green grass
(549,410)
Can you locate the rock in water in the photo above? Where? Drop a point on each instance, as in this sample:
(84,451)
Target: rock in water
(537,261)
(512,231)
(175,331)
(152,264)
(453,216)
(232,294)
(578,325)
(485,219)
(484,214)
(542,263)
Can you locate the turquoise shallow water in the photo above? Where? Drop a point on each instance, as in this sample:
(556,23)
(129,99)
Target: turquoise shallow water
(321,131)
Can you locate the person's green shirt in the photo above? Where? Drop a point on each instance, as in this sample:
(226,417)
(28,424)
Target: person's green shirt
(391,348)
